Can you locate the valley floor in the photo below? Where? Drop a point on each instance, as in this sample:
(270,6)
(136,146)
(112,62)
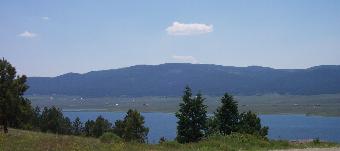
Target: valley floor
(325,104)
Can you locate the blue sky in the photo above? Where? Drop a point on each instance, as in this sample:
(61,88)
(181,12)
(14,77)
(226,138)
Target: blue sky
(49,38)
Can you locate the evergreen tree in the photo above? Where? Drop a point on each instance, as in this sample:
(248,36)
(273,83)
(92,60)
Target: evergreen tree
(132,127)
(119,128)
(162,140)
(53,120)
(101,125)
(36,117)
(50,120)
(88,128)
(227,115)
(23,116)
(212,126)
(12,88)
(77,126)
(66,126)
(251,124)
(192,118)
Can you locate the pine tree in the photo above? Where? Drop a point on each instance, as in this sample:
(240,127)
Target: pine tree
(36,117)
(88,128)
(12,88)
(119,128)
(101,126)
(66,126)
(192,118)
(132,127)
(53,120)
(212,126)
(77,126)
(227,115)
(23,115)
(251,124)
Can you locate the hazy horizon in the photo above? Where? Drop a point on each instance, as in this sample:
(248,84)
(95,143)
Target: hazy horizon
(45,38)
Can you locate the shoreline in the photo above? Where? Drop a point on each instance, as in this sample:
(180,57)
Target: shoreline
(123,111)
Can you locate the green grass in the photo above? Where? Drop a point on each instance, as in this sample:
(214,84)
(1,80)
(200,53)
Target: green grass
(20,140)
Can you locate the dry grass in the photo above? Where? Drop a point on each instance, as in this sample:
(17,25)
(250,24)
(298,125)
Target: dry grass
(20,140)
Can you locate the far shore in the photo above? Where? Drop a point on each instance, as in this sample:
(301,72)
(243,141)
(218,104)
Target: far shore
(123,111)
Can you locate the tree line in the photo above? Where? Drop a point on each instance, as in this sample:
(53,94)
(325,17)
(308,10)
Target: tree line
(16,111)
(52,120)
(193,122)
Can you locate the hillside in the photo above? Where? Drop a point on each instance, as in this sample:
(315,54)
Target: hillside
(19,140)
(170,79)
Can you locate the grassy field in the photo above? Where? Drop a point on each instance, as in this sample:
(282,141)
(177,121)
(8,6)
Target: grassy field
(19,140)
(326,104)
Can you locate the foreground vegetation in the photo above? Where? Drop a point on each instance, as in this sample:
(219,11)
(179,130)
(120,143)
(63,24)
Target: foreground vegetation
(227,129)
(19,140)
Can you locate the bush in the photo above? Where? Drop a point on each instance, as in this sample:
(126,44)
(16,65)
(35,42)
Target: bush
(316,140)
(250,123)
(96,128)
(101,125)
(53,120)
(162,140)
(212,126)
(132,128)
(109,137)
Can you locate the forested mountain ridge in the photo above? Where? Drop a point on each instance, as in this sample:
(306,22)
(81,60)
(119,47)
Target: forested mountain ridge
(169,80)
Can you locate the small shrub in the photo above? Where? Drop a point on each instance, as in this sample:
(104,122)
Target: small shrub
(132,128)
(162,140)
(316,140)
(109,137)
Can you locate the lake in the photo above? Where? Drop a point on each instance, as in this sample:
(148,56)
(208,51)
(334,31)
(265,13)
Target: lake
(289,127)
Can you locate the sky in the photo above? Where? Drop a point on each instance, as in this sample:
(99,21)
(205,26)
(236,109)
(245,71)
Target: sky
(50,38)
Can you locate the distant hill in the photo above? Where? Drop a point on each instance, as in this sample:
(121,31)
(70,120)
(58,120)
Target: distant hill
(170,79)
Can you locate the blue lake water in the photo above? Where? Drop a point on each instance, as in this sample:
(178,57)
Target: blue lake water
(289,127)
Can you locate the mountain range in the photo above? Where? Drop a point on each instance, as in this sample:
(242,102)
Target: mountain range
(170,79)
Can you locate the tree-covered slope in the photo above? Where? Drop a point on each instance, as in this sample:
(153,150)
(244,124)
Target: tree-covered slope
(170,79)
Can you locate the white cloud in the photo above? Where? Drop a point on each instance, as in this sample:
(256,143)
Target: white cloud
(178,28)
(27,34)
(187,59)
(45,18)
